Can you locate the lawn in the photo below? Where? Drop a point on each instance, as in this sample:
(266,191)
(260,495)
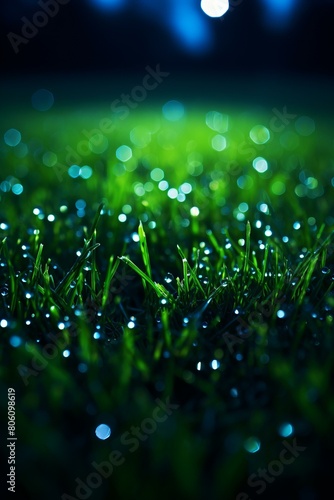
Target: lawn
(167,301)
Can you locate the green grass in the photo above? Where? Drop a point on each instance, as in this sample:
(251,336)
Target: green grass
(227,309)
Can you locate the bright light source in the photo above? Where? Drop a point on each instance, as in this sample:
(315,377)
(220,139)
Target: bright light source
(215,8)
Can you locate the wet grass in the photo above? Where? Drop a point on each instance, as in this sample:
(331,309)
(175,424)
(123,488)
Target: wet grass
(215,290)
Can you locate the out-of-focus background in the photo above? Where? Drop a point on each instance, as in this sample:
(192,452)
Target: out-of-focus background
(253,40)
(293,36)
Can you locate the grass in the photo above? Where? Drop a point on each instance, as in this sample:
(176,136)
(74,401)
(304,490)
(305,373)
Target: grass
(221,301)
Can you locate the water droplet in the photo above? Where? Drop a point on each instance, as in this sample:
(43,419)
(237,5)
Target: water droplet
(169,278)
(325,270)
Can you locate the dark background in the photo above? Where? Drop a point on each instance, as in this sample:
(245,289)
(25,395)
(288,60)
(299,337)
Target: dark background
(85,37)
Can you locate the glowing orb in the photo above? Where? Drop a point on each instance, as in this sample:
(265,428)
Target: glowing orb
(215,8)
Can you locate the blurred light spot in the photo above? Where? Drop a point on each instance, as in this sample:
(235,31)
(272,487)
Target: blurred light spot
(5,186)
(80,204)
(245,182)
(51,218)
(260,165)
(214,8)
(181,197)
(296,225)
(234,392)
(217,121)
(82,367)
(301,190)
(280,314)
(86,172)
(139,189)
(278,188)
(218,142)
(3,323)
(74,171)
(279,11)
(305,125)
(131,325)
(195,168)
(243,207)
(17,189)
(163,185)
(124,153)
(109,4)
(42,100)
(96,335)
(252,445)
(66,353)
(12,137)
(157,174)
(15,341)
(194,211)
(189,26)
(172,193)
(127,209)
(103,431)
(186,188)
(173,111)
(215,364)
(259,134)
(122,217)
(285,430)
(311,183)
(264,208)
(49,159)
